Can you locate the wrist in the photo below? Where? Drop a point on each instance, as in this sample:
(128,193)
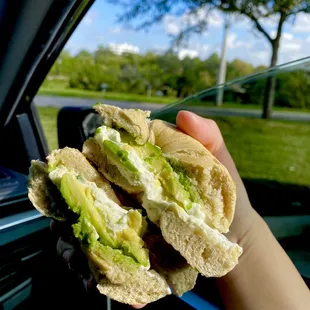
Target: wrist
(254,228)
(252,240)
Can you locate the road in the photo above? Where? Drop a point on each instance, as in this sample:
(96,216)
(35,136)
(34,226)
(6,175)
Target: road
(51,101)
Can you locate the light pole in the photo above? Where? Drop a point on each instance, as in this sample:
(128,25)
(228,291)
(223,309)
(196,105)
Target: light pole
(221,77)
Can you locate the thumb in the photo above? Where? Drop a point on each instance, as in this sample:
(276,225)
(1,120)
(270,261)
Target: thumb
(202,129)
(208,134)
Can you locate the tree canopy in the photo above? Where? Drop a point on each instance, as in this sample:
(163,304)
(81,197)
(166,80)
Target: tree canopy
(195,17)
(166,73)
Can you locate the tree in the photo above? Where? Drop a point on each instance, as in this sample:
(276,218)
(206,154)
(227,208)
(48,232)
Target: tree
(195,20)
(238,68)
(284,10)
(151,72)
(299,81)
(172,69)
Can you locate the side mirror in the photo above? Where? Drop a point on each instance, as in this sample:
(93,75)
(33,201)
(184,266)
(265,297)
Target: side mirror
(75,125)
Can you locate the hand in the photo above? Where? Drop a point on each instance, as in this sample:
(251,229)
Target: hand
(69,250)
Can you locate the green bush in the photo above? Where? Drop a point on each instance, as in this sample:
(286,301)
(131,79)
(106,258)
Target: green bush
(293,90)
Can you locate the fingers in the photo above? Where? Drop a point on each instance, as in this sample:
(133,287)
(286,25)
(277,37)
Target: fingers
(69,250)
(65,250)
(77,263)
(207,133)
(204,130)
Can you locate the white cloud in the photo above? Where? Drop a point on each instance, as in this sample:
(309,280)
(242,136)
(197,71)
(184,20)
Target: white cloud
(88,20)
(184,52)
(171,25)
(287,36)
(215,19)
(270,22)
(116,30)
(195,50)
(120,48)
(302,23)
(202,49)
(291,46)
(289,43)
(233,42)
(231,39)
(273,33)
(260,57)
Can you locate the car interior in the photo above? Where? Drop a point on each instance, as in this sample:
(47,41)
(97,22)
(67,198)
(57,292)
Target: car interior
(31,274)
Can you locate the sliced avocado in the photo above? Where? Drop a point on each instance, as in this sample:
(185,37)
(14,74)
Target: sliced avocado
(81,201)
(85,231)
(133,245)
(157,163)
(101,254)
(148,152)
(135,221)
(91,224)
(185,180)
(115,152)
(172,185)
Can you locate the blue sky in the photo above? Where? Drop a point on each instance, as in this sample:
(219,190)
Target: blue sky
(99,27)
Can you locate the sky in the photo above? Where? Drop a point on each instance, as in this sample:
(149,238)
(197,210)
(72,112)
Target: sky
(100,27)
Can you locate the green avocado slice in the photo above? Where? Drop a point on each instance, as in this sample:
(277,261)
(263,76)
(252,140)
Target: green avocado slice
(157,163)
(185,180)
(81,201)
(112,256)
(91,227)
(118,154)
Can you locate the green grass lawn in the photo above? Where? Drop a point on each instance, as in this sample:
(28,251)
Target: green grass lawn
(252,106)
(48,118)
(81,93)
(273,150)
